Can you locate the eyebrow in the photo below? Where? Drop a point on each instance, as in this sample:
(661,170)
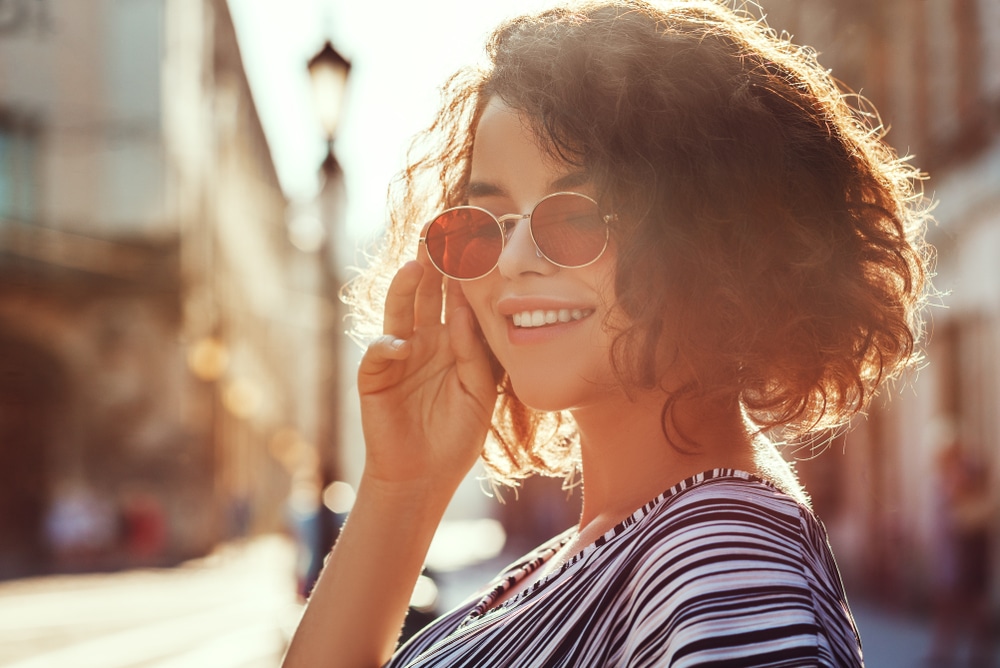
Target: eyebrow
(571,180)
(488,189)
(483,189)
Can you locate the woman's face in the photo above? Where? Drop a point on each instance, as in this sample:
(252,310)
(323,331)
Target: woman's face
(564,364)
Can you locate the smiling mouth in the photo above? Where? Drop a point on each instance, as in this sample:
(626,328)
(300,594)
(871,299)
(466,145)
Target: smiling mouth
(541,318)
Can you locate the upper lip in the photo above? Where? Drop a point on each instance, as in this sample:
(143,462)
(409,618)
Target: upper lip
(508,306)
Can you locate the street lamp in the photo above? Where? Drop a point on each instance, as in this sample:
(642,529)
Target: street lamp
(328,72)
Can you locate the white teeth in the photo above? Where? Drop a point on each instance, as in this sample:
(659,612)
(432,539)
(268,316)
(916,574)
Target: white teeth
(539,317)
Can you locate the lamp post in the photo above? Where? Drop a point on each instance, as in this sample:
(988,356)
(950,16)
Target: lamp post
(328,72)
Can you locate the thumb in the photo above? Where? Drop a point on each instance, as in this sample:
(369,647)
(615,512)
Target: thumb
(378,368)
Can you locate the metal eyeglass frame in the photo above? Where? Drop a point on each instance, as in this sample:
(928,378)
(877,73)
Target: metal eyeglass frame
(505,231)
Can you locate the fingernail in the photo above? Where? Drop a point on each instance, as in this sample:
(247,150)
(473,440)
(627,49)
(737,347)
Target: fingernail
(397,343)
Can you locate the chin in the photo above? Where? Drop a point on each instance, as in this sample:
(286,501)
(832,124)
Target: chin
(551,394)
(536,393)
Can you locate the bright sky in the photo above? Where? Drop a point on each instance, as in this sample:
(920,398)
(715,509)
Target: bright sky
(401,51)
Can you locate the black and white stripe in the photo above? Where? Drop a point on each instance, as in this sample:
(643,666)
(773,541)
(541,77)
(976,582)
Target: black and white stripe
(721,570)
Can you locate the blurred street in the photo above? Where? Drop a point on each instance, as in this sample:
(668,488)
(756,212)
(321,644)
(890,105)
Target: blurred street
(237,608)
(229,610)
(178,211)
(891,640)
(895,640)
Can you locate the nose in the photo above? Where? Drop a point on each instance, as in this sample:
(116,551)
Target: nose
(520,255)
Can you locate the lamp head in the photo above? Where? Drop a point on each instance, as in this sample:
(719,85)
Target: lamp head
(328,72)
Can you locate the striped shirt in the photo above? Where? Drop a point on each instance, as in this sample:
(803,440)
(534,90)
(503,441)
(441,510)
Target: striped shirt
(722,570)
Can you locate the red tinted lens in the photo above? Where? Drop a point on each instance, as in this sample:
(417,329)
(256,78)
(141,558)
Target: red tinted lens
(569,229)
(464,242)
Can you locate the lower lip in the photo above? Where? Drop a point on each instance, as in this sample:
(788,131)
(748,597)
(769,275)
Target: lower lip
(529,335)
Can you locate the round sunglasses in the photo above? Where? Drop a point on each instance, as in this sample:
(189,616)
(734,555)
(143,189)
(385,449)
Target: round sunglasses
(568,229)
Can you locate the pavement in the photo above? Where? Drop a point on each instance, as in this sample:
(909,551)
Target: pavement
(233,609)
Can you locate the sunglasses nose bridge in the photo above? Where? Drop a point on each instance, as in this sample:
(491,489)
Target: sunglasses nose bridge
(515,248)
(506,220)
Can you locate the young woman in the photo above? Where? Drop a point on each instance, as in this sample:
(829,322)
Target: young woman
(659,239)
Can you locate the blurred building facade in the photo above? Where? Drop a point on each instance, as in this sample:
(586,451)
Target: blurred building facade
(158,329)
(929,67)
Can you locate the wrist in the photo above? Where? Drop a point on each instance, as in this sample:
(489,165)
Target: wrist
(426,496)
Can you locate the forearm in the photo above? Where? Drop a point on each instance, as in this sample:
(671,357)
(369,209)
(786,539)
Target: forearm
(356,610)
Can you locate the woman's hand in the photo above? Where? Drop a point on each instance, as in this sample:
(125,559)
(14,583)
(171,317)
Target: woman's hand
(427,392)
(427,397)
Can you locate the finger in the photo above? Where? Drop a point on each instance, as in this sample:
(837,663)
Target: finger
(423,255)
(374,372)
(471,358)
(455,298)
(429,293)
(456,302)
(399,309)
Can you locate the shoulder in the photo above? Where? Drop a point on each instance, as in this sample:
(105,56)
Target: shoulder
(725,505)
(729,563)
(731,531)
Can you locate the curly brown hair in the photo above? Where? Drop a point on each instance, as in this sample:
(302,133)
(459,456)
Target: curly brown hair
(766,237)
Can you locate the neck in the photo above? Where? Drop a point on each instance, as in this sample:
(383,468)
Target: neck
(627,460)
